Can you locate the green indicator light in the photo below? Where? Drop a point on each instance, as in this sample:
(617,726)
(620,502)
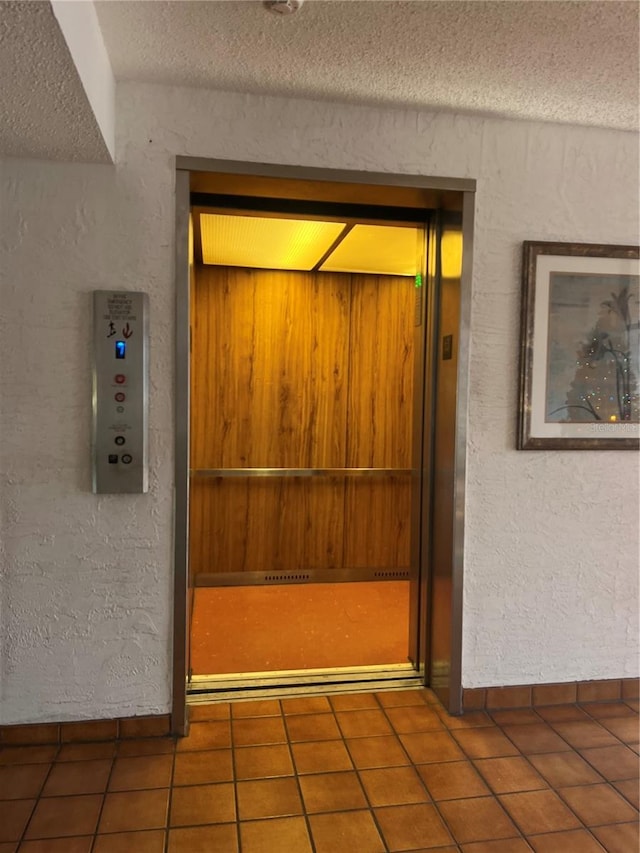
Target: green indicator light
(418,280)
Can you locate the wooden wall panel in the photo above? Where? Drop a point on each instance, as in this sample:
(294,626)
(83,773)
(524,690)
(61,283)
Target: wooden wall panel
(380,385)
(377,522)
(266,525)
(300,370)
(269,355)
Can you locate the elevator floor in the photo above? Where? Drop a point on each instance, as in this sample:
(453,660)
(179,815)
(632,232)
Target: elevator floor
(294,627)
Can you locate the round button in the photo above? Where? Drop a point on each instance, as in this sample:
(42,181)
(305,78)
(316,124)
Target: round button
(120,397)
(119,439)
(126,458)
(120,378)
(119,409)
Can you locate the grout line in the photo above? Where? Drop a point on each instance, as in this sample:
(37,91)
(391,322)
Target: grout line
(170,797)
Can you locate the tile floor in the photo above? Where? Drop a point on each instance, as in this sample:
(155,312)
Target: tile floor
(358,773)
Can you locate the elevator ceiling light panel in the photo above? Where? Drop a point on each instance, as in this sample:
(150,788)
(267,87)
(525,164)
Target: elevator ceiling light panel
(265,243)
(379,250)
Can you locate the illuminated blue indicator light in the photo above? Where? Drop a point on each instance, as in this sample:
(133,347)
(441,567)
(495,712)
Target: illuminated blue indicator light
(121,349)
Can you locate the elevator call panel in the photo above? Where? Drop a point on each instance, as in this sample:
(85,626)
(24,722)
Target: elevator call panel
(120,391)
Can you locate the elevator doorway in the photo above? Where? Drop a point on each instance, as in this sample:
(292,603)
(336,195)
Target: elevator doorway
(312,385)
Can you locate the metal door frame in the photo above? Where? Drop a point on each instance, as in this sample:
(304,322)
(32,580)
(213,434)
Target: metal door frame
(184,166)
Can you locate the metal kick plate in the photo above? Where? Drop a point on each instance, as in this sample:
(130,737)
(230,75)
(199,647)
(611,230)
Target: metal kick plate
(120,392)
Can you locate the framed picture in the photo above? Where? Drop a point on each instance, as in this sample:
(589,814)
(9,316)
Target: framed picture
(580,347)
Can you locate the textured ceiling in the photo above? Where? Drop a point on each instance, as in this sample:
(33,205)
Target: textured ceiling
(561,61)
(44,108)
(573,62)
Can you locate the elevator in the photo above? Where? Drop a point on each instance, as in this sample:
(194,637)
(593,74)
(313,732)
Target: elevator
(316,360)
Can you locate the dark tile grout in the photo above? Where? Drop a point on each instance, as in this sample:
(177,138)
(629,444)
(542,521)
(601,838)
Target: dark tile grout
(333,712)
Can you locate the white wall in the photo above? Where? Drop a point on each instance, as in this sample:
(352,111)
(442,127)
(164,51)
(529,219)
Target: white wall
(552,543)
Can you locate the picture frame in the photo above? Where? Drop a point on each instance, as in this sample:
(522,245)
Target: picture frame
(580,347)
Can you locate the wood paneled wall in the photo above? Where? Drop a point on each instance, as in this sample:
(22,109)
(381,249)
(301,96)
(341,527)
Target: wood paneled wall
(300,370)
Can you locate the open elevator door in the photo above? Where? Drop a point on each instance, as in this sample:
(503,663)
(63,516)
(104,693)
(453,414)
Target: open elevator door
(435,639)
(306,335)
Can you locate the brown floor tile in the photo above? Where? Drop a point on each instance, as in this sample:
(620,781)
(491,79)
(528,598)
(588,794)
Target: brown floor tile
(554,694)
(8,846)
(477,819)
(599,691)
(155,725)
(536,738)
(220,838)
(484,743)
(92,730)
(562,769)
(354,831)
(78,777)
(209,713)
(256,708)
(562,714)
(412,827)
(14,815)
(505,845)
(596,805)
(148,841)
(508,697)
(452,780)
(130,811)
(263,762)
(355,702)
(426,747)
(62,816)
(585,735)
(322,756)
(363,723)
(328,792)
(145,746)
(414,718)
(306,705)
(570,841)
(27,754)
(202,804)
(619,838)
(203,768)
(606,710)
(393,786)
(377,752)
(258,731)
(215,735)
(629,789)
(539,811)
(508,775)
(86,751)
(141,773)
(470,720)
(396,698)
(275,836)
(303,727)
(22,781)
(515,717)
(268,798)
(634,704)
(32,734)
(79,844)
(615,763)
(627,729)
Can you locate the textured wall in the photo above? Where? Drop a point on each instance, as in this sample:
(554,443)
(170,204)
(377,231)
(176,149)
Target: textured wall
(552,544)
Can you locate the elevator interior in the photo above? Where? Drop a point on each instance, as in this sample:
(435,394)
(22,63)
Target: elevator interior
(310,378)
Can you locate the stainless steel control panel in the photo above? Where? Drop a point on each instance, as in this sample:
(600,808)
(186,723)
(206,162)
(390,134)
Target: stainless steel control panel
(120,391)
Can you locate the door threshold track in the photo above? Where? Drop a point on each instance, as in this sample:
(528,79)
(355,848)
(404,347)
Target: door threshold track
(306,682)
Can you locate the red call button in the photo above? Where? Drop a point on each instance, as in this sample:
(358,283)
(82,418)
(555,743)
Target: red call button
(120,378)
(120,397)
